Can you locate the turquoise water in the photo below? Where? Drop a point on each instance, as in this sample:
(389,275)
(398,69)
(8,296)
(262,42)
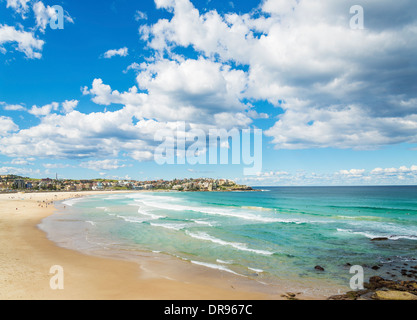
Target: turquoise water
(279,233)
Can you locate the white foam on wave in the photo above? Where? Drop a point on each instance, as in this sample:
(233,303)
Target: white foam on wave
(203,222)
(223,212)
(215,266)
(71,202)
(165,206)
(103,208)
(372,235)
(170,226)
(131,219)
(256,270)
(115,197)
(91,222)
(387,227)
(150,215)
(239,246)
(223,262)
(141,197)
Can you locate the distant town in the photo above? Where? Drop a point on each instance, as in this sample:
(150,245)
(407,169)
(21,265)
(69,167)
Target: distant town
(13,183)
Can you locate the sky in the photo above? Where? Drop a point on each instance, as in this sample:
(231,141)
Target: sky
(336,100)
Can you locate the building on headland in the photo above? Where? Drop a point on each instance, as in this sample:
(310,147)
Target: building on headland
(97,186)
(70,187)
(19,184)
(10,182)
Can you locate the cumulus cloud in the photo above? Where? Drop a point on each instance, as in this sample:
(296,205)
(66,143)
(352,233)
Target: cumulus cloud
(19,171)
(55,165)
(26,41)
(352,172)
(200,92)
(65,107)
(22,162)
(19,6)
(43,15)
(45,110)
(199,89)
(69,105)
(377,176)
(332,86)
(340,127)
(7,125)
(12,107)
(99,165)
(122,52)
(77,135)
(133,66)
(305,51)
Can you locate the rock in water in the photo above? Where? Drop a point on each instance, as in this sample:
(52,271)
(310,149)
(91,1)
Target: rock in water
(379,239)
(319,268)
(394,295)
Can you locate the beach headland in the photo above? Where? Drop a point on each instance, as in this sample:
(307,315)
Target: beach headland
(26,258)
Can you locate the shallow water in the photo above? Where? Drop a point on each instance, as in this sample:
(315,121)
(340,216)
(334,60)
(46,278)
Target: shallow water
(279,233)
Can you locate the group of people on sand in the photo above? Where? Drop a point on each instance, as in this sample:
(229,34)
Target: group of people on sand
(46,203)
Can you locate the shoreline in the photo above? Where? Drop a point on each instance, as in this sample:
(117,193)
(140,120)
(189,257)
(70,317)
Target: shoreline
(27,255)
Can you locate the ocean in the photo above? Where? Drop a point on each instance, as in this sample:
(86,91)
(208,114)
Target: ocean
(269,235)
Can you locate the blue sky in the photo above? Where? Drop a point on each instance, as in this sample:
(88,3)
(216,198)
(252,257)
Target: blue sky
(337,106)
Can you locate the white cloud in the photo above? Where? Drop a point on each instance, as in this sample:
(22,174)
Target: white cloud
(134,66)
(336,95)
(55,165)
(21,162)
(99,165)
(139,15)
(77,136)
(123,52)
(19,171)
(26,41)
(19,6)
(45,110)
(352,172)
(7,125)
(69,105)
(43,15)
(272,174)
(341,127)
(305,51)
(103,95)
(12,107)
(281,7)
(196,91)
(66,107)
(377,176)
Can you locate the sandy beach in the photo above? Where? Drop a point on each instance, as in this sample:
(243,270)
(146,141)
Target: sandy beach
(26,256)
